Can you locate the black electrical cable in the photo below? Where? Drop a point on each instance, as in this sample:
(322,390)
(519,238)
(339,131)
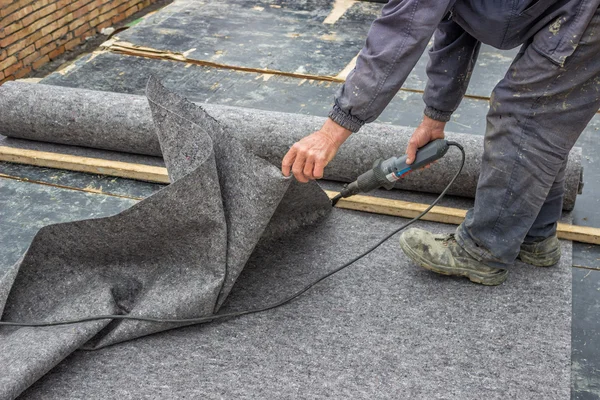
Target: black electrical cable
(193,321)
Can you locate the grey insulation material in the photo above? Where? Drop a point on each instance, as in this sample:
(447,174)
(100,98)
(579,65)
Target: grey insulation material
(123,122)
(175,254)
(381,329)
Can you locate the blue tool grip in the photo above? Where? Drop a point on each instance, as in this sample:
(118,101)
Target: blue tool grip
(396,167)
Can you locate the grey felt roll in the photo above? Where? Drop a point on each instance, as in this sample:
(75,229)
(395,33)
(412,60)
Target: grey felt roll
(123,122)
(175,254)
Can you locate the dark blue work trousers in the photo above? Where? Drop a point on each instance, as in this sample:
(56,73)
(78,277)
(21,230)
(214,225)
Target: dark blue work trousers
(536,114)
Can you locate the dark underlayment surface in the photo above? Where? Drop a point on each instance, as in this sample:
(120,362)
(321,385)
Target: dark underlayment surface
(382,329)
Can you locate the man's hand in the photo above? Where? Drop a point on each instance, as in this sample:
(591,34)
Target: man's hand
(308,157)
(429,130)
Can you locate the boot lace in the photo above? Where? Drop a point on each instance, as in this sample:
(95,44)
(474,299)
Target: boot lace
(446,239)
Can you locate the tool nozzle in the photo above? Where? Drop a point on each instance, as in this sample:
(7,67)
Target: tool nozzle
(336,199)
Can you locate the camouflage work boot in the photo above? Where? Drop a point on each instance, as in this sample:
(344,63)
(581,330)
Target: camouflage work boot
(541,254)
(441,254)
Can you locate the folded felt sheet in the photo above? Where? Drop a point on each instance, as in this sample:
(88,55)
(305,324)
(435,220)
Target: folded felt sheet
(175,254)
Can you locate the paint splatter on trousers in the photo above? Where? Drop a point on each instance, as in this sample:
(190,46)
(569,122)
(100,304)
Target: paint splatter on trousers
(537,113)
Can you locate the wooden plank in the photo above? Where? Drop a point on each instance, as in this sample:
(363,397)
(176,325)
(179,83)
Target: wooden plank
(447,215)
(399,208)
(377,205)
(84,164)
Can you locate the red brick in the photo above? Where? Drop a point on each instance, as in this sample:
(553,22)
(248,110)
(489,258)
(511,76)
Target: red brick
(92,32)
(17,15)
(72,44)
(132,11)
(43,22)
(64,39)
(18,46)
(43,41)
(48,48)
(74,6)
(39,14)
(107,7)
(13,68)
(81,12)
(8,78)
(23,72)
(37,4)
(81,30)
(93,14)
(12,28)
(1,75)
(103,25)
(48,29)
(26,51)
(14,6)
(41,61)
(123,7)
(31,58)
(8,62)
(96,21)
(65,20)
(76,23)
(57,52)
(110,14)
(60,32)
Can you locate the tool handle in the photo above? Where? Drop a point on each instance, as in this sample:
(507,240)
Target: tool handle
(429,153)
(396,168)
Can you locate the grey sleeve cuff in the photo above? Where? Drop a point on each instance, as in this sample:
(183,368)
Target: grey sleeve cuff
(438,115)
(344,119)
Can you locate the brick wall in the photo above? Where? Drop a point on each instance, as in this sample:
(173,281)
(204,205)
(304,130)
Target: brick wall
(33,32)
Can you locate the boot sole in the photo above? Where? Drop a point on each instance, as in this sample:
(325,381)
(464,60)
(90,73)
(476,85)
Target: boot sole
(477,277)
(541,260)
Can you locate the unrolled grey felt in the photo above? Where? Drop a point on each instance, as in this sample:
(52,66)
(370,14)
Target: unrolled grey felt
(382,329)
(175,254)
(123,122)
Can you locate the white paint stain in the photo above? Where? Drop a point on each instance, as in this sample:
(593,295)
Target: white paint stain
(555,27)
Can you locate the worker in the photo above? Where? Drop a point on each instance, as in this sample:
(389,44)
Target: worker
(537,111)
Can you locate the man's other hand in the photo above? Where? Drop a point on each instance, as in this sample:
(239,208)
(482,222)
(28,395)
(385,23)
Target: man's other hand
(428,130)
(308,157)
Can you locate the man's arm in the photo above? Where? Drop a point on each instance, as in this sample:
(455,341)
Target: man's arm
(394,44)
(451,62)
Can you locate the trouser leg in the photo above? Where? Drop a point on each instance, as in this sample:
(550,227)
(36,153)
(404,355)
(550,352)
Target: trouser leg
(545,223)
(537,112)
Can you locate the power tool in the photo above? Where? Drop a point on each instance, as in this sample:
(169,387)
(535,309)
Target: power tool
(385,173)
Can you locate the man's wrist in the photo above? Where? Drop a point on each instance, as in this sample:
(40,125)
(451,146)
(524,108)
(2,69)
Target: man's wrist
(344,119)
(336,132)
(437,115)
(433,124)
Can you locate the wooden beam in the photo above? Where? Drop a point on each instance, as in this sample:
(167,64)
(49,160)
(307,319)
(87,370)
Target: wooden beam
(84,164)
(399,208)
(377,205)
(447,215)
